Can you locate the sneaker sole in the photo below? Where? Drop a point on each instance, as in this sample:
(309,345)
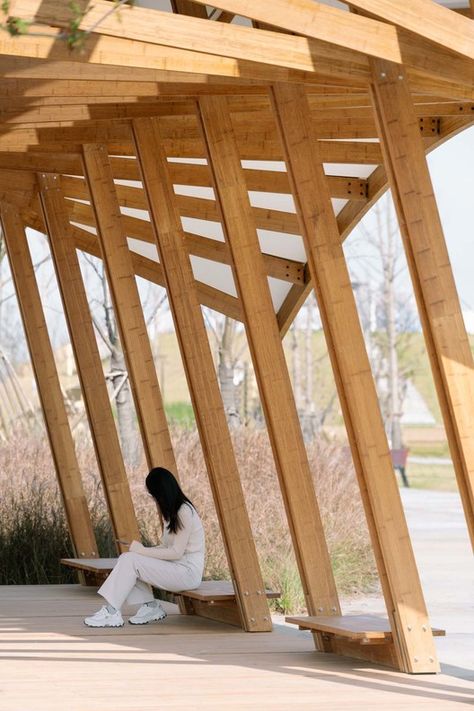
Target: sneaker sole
(102,626)
(149,622)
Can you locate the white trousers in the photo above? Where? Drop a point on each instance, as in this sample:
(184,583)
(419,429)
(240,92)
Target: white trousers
(131,579)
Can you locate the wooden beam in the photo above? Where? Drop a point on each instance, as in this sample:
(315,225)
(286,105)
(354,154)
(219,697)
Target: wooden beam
(342,30)
(187,43)
(152,271)
(88,362)
(128,310)
(49,388)
(354,381)
(271,371)
(317,20)
(426,19)
(446,339)
(207,248)
(202,381)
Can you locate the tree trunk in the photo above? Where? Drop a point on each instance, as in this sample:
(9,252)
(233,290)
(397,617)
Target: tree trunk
(126,419)
(225,373)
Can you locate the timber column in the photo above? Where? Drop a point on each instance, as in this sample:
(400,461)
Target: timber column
(49,388)
(265,345)
(89,366)
(202,380)
(440,312)
(128,309)
(414,645)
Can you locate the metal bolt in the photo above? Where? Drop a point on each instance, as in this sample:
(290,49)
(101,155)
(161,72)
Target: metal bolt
(333,609)
(320,609)
(424,628)
(259,592)
(409,628)
(252,619)
(266,619)
(431,659)
(383,75)
(400,76)
(415,659)
(245,592)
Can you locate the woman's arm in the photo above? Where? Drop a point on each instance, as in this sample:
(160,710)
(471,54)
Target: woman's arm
(177,542)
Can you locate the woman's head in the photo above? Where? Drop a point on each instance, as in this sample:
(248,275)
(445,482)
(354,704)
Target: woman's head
(166,491)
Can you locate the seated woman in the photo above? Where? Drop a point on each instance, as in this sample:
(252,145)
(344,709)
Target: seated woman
(177,564)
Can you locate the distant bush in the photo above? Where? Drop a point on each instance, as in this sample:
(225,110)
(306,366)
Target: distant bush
(34,536)
(180,414)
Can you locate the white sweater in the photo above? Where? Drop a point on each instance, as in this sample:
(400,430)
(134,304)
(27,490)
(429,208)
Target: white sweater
(186,546)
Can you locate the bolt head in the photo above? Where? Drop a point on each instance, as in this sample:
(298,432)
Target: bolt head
(383,75)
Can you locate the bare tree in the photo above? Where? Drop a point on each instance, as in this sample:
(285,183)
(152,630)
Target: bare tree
(390,318)
(105,323)
(230,344)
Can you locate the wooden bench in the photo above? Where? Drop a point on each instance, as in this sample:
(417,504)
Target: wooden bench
(361,636)
(213,599)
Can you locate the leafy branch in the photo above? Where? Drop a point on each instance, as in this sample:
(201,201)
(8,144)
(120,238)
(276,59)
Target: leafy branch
(73,35)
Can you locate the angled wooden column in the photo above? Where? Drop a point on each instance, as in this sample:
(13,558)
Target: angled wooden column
(413,641)
(89,366)
(201,377)
(269,361)
(440,311)
(128,309)
(49,389)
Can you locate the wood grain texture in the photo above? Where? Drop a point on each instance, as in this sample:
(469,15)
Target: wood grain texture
(128,310)
(357,395)
(201,376)
(49,388)
(88,362)
(268,360)
(440,311)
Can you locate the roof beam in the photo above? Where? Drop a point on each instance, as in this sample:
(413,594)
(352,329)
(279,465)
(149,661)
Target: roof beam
(154,28)
(313,19)
(426,19)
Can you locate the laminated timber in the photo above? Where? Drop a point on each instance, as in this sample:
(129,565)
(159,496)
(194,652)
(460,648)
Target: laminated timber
(243,208)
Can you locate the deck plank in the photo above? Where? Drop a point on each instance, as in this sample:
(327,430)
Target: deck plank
(50,661)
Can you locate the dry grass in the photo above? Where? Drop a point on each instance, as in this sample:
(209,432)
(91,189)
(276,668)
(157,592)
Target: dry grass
(33,533)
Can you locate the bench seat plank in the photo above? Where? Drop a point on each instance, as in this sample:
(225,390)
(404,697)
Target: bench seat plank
(209,590)
(354,627)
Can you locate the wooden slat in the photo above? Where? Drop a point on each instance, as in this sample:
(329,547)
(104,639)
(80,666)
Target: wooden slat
(438,303)
(202,381)
(357,394)
(88,362)
(128,310)
(269,361)
(49,388)
(148,269)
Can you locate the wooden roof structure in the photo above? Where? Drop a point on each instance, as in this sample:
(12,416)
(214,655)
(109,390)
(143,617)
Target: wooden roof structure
(126,129)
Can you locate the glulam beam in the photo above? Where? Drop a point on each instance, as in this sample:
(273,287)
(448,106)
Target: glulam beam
(446,339)
(413,641)
(269,361)
(128,309)
(47,381)
(88,361)
(202,380)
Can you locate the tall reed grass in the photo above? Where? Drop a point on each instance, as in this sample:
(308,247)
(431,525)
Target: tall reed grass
(33,530)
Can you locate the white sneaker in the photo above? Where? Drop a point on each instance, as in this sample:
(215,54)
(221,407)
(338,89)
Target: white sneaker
(148,613)
(104,618)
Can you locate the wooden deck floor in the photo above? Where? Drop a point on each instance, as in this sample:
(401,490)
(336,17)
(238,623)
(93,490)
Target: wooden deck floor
(49,661)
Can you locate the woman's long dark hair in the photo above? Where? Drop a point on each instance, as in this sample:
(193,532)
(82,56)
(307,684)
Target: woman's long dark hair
(166,491)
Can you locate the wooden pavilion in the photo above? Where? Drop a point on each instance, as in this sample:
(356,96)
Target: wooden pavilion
(192,113)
